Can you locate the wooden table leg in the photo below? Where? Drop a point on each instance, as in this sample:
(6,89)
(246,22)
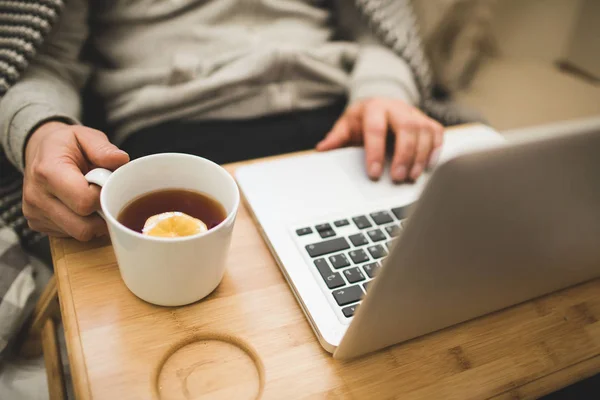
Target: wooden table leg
(46,308)
(54,370)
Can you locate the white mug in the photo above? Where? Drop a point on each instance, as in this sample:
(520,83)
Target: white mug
(168,271)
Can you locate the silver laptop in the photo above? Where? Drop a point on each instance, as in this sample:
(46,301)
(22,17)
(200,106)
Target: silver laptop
(494,223)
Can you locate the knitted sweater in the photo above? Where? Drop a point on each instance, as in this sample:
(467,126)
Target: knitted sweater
(25,23)
(23,26)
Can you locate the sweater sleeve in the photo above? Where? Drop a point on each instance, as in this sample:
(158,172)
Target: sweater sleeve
(50,87)
(378,71)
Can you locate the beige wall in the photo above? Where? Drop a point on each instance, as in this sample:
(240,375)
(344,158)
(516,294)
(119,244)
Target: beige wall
(535,29)
(584,47)
(430,12)
(529,29)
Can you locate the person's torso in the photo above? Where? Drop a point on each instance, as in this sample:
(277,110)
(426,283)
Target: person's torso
(198,59)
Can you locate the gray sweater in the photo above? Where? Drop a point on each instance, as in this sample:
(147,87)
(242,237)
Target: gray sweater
(199,59)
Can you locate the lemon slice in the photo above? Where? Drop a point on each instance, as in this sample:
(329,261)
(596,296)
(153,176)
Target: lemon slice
(173,224)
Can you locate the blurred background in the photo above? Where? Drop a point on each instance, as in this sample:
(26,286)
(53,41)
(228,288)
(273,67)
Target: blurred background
(522,63)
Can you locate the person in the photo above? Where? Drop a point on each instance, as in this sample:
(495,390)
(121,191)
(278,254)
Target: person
(223,79)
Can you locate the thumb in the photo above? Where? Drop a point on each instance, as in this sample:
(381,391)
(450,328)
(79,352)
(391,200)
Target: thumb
(99,150)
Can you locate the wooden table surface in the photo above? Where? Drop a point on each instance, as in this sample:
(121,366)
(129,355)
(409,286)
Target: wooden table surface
(117,343)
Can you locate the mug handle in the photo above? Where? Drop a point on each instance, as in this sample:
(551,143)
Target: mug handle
(98,176)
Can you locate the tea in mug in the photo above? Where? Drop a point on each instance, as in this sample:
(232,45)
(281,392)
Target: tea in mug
(172,213)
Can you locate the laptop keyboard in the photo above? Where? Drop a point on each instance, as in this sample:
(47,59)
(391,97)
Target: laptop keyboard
(348,263)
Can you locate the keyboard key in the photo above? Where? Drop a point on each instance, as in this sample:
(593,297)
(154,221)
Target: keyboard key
(354,275)
(382,217)
(376,235)
(341,222)
(332,279)
(377,251)
(389,244)
(303,231)
(358,240)
(327,233)
(400,212)
(327,247)
(358,256)
(339,261)
(393,230)
(403,223)
(347,295)
(350,310)
(365,285)
(323,227)
(321,264)
(361,222)
(372,269)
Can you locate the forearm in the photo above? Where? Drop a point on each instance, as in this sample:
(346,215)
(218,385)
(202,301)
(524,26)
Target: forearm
(50,87)
(378,70)
(38,98)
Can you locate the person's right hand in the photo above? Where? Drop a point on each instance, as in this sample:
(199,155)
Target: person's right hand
(57,200)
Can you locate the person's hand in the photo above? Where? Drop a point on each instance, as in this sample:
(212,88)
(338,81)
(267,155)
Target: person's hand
(57,200)
(369,121)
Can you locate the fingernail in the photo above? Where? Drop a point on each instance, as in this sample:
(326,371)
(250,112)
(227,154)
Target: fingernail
(416,171)
(375,170)
(399,173)
(121,152)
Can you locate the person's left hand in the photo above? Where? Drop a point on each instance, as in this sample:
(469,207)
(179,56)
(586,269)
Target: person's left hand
(369,122)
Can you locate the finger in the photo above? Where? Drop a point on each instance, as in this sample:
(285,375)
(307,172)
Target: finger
(76,226)
(438,133)
(99,150)
(404,153)
(37,221)
(405,146)
(375,128)
(337,137)
(66,182)
(433,125)
(438,141)
(424,148)
(56,234)
(434,158)
(30,211)
(354,116)
(37,218)
(45,229)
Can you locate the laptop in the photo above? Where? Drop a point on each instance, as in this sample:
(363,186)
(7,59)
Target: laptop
(492,224)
